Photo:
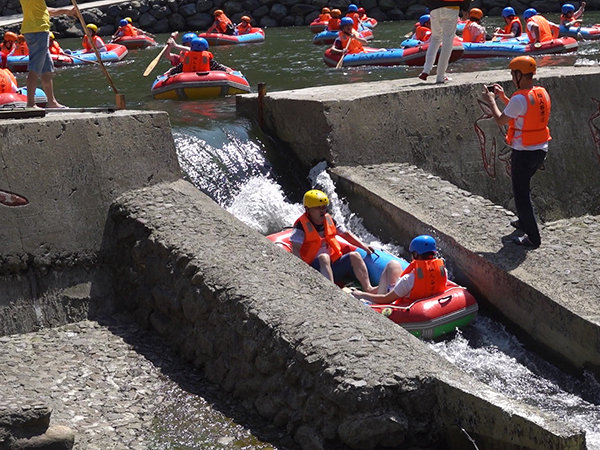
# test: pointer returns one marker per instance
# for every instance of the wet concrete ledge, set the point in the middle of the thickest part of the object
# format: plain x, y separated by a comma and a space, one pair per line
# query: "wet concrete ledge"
443, 130
291, 345
66, 169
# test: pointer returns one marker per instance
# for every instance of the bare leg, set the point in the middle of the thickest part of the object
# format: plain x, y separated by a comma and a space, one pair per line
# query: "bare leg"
389, 276
360, 271
325, 266
48, 86
32, 80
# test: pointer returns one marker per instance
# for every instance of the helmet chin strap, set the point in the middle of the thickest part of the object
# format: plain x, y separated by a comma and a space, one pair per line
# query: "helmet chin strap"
518, 78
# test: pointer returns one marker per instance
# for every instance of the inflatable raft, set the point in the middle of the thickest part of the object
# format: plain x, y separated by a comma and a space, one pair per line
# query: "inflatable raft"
509, 47
587, 33
21, 63
327, 37
199, 85
414, 56
255, 35
316, 26
426, 318
135, 42
113, 53
19, 99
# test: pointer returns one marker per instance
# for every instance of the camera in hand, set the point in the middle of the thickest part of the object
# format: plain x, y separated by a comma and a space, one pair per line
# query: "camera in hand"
490, 88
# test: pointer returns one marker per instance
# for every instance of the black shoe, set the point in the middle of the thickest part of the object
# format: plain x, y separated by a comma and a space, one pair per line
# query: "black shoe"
515, 223
525, 241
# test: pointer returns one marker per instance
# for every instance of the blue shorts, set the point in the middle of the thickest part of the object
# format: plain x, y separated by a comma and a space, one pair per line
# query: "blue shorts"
342, 268
39, 55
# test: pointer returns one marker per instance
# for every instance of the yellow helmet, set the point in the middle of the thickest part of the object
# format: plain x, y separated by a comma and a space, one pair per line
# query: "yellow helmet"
524, 64
315, 198
129, 19
51, 35
92, 27
476, 13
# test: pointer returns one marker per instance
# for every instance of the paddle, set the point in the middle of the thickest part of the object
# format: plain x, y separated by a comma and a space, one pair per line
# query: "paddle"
339, 64
154, 62
80, 59
119, 98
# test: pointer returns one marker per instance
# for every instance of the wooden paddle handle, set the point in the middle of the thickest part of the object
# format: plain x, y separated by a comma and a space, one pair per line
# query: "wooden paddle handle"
339, 64
155, 61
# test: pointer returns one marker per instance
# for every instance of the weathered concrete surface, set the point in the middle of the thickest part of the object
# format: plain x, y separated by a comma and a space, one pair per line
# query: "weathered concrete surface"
292, 346
433, 127
69, 167
549, 293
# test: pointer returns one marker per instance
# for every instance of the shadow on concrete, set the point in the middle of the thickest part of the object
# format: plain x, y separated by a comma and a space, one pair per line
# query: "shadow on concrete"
510, 256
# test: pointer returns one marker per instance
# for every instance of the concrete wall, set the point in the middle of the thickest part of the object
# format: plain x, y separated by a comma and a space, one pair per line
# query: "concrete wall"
435, 128
68, 168
292, 346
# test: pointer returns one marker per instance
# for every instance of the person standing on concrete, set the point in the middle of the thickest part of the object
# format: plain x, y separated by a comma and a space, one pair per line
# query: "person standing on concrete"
425, 276
314, 241
36, 28
527, 113
444, 14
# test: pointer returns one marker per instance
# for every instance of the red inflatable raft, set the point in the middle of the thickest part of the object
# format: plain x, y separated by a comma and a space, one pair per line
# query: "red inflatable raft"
135, 42
427, 318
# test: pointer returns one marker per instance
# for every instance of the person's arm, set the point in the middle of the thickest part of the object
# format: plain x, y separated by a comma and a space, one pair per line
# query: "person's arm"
356, 35
535, 30
296, 249
214, 65
382, 299
62, 11
579, 12
354, 240
490, 98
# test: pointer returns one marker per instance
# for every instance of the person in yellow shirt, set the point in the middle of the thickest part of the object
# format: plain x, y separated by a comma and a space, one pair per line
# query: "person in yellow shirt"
36, 29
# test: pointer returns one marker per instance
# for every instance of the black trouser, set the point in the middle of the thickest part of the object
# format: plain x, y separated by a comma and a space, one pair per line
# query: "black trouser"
524, 164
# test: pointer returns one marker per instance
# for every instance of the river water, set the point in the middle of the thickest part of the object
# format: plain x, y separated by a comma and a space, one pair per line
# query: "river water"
228, 158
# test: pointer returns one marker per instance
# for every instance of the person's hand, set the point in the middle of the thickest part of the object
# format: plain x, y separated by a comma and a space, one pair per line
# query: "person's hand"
583, 4
369, 249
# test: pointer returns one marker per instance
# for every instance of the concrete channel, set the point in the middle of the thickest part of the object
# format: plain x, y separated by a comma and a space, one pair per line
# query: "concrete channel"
94, 228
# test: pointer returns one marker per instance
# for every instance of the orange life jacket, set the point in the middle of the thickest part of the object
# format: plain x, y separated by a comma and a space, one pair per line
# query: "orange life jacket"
313, 240
21, 49
324, 17
243, 28
127, 30
8, 82
197, 61
543, 26
422, 33
333, 24
54, 48
5, 49
430, 277
473, 32
509, 25
354, 47
221, 24
355, 17
535, 129
100, 45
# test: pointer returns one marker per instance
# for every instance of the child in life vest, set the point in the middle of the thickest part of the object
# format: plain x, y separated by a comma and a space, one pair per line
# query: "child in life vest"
196, 58
325, 15
20, 48
513, 27
569, 17
425, 276
474, 31
334, 22
85, 43
222, 23
244, 27
53, 46
125, 29
423, 30
349, 40
314, 241
8, 42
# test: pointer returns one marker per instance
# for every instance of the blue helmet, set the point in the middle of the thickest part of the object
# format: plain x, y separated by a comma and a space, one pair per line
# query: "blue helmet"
567, 8
424, 19
352, 8
199, 44
529, 13
346, 21
508, 11
123, 22
188, 37
422, 244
